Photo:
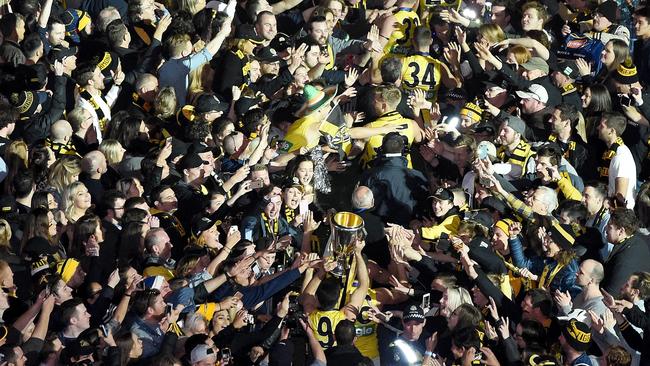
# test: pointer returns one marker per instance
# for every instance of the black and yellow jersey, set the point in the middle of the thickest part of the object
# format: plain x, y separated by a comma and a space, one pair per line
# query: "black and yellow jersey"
323, 324
421, 71
520, 156
330, 65
374, 143
366, 329
406, 20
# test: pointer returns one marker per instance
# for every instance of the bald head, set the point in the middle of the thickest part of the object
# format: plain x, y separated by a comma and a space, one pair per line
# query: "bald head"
594, 269
362, 197
94, 163
146, 82
61, 131
233, 142
106, 16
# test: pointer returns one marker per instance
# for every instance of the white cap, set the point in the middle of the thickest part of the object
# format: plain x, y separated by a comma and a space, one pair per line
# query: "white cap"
201, 352
216, 5
535, 91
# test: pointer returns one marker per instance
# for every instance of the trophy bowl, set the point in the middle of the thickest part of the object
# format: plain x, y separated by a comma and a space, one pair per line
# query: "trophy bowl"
347, 228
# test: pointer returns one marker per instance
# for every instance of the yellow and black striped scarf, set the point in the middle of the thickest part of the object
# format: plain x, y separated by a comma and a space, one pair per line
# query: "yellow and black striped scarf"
103, 121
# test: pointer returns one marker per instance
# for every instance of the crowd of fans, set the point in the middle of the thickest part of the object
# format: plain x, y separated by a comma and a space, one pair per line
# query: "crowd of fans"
172, 171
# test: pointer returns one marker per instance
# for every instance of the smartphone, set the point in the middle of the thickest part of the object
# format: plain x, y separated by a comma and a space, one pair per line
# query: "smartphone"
256, 268
625, 100
225, 354
432, 3
482, 152
426, 302
104, 329
238, 295
478, 356
274, 142
303, 207
257, 184
232, 229
168, 309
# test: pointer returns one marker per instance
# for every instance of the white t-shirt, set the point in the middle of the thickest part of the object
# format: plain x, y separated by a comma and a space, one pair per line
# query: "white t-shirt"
622, 166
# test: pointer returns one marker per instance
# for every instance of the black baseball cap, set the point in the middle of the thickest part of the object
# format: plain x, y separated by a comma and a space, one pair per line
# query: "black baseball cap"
201, 224
247, 32
267, 54
58, 53
190, 161
443, 194
210, 103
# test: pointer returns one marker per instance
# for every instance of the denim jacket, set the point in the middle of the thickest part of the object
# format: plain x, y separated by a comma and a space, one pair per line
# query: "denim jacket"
564, 280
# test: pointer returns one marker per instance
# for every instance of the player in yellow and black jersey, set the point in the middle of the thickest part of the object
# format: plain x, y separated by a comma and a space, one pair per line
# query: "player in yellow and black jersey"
421, 71
321, 298
397, 30
387, 99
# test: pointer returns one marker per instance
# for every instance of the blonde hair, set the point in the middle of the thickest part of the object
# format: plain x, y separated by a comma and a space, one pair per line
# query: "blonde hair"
5, 235
165, 104
18, 149
541, 10
456, 296
186, 265
492, 33
111, 150
521, 54
62, 171
199, 81
189, 6
68, 199
190, 327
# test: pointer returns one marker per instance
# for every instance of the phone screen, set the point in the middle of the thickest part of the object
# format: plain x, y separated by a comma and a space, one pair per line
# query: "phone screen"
303, 207
426, 302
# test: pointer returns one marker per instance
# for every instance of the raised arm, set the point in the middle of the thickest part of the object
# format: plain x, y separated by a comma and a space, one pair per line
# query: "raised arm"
216, 42
356, 300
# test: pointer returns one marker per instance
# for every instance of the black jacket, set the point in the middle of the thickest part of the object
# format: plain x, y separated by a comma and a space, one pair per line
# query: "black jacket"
638, 318
37, 127
191, 201
344, 356
397, 189
626, 258
554, 95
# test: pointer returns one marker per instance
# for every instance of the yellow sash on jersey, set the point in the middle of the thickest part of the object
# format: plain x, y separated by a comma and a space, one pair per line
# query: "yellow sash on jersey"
330, 52
546, 278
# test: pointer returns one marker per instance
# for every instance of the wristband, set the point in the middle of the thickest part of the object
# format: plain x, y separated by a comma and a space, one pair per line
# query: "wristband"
429, 354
